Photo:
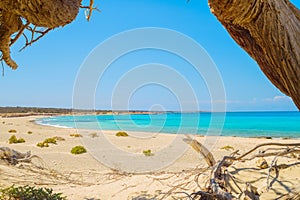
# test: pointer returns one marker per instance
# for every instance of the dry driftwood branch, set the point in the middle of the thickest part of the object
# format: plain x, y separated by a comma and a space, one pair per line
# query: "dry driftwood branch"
14, 157
218, 189
268, 144
197, 146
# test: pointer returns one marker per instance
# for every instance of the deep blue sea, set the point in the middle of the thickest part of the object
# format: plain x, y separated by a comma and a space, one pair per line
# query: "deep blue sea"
243, 124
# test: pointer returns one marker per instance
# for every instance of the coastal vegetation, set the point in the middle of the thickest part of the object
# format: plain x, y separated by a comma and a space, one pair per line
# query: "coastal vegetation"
78, 150
148, 152
42, 144
121, 134
75, 135
46, 142
50, 140
14, 140
12, 131
29, 193
227, 148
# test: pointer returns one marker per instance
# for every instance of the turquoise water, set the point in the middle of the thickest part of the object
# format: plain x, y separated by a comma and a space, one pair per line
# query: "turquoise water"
243, 124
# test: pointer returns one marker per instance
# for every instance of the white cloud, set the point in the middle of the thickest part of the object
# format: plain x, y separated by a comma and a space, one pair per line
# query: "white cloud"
277, 99
281, 98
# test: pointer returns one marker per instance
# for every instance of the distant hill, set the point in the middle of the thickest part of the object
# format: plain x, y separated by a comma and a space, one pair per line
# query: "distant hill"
27, 111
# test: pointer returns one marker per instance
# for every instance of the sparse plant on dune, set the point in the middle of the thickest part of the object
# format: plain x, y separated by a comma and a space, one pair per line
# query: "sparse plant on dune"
75, 135
14, 140
12, 131
78, 150
29, 193
46, 142
121, 134
148, 152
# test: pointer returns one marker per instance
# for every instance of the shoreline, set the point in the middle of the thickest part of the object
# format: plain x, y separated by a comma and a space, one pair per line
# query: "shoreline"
84, 177
200, 135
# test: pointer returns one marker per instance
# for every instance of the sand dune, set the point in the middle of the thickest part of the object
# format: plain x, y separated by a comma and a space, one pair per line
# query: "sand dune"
85, 176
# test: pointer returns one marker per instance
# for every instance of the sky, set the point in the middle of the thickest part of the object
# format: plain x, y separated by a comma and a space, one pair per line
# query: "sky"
48, 69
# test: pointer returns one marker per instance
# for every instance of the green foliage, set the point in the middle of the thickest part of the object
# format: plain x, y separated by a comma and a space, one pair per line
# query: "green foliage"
12, 131
148, 152
50, 140
121, 134
227, 148
42, 144
13, 140
78, 150
57, 138
46, 142
29, 132
29, 193
75, 135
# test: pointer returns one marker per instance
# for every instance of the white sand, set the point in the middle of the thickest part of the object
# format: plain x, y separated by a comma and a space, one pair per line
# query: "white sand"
83, 176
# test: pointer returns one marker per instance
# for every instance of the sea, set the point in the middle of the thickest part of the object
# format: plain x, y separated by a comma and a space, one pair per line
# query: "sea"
240, 124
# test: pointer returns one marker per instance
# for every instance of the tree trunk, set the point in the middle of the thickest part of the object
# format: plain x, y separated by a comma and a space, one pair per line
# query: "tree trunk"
269, 31
43, 13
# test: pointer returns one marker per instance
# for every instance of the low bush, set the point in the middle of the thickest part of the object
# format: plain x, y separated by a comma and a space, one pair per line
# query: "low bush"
227, 148
13, 140
57, 138
75, 135
78, 150
29, 132
148, 152
12, 131
29, 193
42, 144
50, 140
121, 134
46, 142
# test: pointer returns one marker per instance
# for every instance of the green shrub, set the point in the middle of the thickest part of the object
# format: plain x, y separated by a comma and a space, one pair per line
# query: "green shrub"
78, 150
46, 142
13, 140
57, 138
75, 135
121, 134
29, 132
42, 144
12, 131
29, 193
227, 148
50, 140
148, 152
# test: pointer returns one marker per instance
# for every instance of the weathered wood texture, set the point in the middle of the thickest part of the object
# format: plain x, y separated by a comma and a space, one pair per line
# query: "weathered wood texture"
41, 13
269, 31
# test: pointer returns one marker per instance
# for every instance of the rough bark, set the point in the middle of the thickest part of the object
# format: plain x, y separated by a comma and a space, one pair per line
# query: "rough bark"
41, 13
269, 31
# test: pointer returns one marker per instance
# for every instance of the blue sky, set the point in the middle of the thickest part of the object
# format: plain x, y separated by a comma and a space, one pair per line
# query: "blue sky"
48, 69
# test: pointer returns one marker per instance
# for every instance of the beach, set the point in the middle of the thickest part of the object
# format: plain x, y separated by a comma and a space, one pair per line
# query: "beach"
84, 177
